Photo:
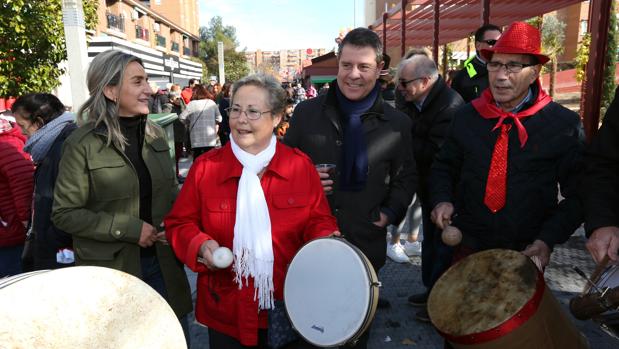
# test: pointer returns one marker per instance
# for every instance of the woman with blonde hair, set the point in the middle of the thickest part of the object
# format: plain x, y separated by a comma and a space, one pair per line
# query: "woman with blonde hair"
116, 181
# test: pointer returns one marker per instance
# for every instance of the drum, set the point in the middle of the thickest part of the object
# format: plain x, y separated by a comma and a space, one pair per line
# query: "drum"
85, 307
498, 299
600, 303
330, 292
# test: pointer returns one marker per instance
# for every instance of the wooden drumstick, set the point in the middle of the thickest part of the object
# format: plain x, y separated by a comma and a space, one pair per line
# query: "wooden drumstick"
596, 274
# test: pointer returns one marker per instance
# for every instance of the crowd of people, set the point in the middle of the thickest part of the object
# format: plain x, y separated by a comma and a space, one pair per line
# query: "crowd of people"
488, 156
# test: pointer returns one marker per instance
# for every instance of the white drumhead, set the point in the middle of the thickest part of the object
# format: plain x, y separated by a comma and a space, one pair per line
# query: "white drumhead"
327, 292
85, 307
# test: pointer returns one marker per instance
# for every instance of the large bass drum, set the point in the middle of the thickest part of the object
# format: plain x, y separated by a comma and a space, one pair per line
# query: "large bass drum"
330, 292
498, 299
85, 307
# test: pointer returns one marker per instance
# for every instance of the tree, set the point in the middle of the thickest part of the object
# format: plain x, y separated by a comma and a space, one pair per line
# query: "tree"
582, 57
32, 44
553, 36
608, 87
235, 63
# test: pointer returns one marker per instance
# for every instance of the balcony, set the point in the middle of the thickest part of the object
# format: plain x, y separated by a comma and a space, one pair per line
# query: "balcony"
175, 47
115, 22
161, 41
141, 33
186, 51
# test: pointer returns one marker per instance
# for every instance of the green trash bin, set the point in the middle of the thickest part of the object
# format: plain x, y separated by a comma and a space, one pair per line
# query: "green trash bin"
166, 121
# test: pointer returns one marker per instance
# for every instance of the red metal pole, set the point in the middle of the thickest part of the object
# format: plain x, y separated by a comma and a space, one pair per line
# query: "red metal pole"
599, 19
436, 31
385, 16
485, 12
403, 24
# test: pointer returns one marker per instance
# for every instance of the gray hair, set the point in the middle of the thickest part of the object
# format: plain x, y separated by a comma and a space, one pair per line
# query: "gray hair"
418, 51
423, 66
277, 95
106, 69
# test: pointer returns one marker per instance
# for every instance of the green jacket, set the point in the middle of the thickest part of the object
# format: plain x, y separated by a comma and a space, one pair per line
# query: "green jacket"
96, 200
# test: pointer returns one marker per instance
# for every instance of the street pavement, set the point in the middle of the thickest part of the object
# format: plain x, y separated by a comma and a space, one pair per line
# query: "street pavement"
396, 327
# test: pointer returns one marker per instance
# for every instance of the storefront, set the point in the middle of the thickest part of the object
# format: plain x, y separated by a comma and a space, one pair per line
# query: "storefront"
161, 68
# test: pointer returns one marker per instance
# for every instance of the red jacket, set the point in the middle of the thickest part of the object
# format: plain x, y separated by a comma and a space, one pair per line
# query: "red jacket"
186, 94
205, 209
16, 186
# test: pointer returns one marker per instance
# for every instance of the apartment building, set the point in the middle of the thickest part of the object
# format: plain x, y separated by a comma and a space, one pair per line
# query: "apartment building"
163, 33
287, 64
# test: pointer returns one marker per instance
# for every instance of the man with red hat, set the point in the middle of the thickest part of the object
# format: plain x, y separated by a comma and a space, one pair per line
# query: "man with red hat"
496, 178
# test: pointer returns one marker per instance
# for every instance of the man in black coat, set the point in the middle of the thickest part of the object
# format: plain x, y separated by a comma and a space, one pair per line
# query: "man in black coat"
431, 105
369, 141
472, 80
495, 178
601, 186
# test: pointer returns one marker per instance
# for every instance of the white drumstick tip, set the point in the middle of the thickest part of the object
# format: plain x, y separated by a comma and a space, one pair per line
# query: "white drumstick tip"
451, 236
222, 257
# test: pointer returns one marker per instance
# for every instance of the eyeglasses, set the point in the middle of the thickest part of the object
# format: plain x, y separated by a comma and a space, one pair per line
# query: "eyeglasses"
511, 67
252, 114
490, 42
404, 83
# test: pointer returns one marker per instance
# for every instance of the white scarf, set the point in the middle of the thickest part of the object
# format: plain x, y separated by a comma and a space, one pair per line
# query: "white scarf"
252, 244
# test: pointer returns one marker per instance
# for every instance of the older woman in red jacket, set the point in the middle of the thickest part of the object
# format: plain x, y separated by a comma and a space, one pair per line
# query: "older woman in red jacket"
258, 197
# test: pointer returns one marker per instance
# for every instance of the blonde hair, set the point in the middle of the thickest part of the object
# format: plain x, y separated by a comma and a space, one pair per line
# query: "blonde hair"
106, 69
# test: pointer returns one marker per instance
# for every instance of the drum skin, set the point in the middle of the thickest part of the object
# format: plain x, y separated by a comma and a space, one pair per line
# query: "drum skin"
498, 299
330, 292
85, 307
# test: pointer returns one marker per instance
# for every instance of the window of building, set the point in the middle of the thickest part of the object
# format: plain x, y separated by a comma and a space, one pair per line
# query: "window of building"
116, 22
583, 27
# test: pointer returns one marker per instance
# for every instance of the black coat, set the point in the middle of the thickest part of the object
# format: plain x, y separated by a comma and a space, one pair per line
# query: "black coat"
47, 238
601, 183
471, 88
316, 129
552, 155
430, 127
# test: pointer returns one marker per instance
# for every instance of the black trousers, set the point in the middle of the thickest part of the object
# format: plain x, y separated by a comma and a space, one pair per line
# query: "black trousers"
199, 151
435, 255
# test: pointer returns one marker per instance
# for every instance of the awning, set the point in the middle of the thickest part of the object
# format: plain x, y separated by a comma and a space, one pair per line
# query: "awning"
321, 79
457, 18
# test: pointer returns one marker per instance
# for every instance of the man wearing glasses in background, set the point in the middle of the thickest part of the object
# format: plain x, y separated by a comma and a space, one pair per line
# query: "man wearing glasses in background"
497, 176
472, 80
431, 105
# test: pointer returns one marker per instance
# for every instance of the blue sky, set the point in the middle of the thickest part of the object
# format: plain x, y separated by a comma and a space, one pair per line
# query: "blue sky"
285, 24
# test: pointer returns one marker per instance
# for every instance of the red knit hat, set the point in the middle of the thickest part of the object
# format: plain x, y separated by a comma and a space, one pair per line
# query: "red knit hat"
519, 38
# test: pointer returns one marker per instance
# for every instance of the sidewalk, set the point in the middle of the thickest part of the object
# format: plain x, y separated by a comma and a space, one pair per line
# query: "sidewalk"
396, 327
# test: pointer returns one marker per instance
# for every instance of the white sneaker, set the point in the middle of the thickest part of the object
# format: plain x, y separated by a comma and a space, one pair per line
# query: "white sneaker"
412, 248
396, 253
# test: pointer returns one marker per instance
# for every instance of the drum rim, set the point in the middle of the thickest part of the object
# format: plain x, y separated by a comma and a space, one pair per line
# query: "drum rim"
517, 319
374, 285
10, 280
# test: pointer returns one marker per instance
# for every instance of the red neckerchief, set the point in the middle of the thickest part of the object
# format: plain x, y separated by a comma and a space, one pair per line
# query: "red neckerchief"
487, 108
